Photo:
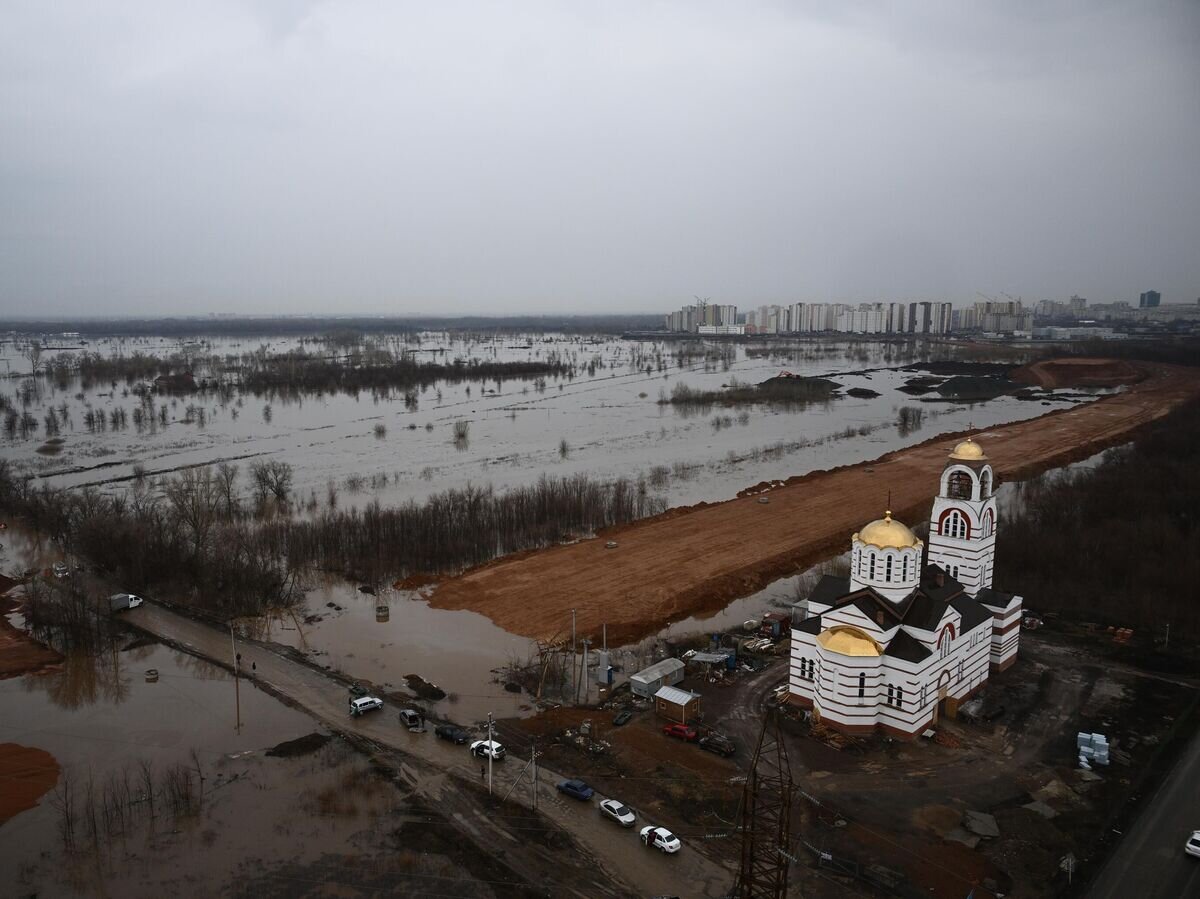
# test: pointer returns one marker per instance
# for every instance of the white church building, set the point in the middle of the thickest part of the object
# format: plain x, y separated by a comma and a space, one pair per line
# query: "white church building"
904, 639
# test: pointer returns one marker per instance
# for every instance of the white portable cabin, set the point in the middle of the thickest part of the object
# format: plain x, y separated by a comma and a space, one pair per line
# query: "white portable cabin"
666, 673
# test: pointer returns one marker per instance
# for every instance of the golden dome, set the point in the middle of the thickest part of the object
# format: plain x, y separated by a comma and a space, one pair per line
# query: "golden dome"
848, 641
968, 451
888, 534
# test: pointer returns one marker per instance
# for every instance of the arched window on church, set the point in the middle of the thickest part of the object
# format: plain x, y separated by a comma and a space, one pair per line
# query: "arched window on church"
944, 640
899, 697
959, 485
954, 525
988, 521
862, 685
887, 575
985, 484
904, 569
872, 574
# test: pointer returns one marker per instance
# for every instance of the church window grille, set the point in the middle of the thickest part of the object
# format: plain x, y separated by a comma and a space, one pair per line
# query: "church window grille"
891, 700
872, 574
862, 686
924, 694
899, 697
904, 569
959, 485
960, 669
888, 573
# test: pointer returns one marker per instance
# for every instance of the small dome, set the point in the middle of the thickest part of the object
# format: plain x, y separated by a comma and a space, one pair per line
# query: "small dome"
888, 534
968, 451
848, 641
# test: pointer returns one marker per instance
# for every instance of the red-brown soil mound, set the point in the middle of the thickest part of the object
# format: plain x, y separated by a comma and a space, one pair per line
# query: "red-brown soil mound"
1053, 373
28, 774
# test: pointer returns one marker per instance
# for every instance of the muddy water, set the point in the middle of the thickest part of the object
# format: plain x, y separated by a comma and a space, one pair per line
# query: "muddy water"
461, 652
100, 716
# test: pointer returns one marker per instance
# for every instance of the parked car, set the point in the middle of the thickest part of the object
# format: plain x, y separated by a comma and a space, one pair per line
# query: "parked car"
486, 748
357, 689
576, 789
622, 814
119, 601
661, 839
452, 732
412, 719
719, 744
682, 732
1192, 846
61, 570
622, 717
364, 704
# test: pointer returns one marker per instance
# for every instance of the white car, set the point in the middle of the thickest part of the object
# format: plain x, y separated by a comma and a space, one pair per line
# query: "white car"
623, 815
662, 839
1192, 846
364, 704
485, 748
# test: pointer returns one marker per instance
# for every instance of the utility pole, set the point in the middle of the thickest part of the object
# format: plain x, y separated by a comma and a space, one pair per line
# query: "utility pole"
574, 687
237, 693
583, 673
489, 753
605, 626
534, 785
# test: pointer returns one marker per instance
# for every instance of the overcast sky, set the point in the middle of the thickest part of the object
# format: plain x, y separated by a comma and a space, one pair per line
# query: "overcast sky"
444, 157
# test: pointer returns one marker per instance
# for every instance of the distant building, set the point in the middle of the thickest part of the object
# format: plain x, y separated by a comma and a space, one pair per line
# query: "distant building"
721, 329
1149, 300
676, 705
690, 319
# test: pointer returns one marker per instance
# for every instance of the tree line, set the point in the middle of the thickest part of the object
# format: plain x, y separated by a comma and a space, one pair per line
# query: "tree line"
195, 536
1118, 543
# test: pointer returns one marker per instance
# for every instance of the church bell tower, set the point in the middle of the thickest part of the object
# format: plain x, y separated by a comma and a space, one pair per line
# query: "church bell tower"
962, 528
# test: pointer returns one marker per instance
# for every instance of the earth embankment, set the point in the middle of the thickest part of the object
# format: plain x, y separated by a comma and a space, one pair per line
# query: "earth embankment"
695, 560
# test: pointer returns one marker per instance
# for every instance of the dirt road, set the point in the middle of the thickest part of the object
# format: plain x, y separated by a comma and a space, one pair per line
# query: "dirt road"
695, 560
621, 865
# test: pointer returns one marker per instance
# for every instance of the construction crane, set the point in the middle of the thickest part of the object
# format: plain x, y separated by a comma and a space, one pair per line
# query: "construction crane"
766, 817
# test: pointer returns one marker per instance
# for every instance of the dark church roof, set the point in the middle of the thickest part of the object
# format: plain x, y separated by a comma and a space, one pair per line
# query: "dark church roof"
903, 646
924, 608
810, 625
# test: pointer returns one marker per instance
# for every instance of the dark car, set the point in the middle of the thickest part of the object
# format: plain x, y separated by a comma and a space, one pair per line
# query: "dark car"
681, 732
576, 788
622, 717
719, 744
452, 733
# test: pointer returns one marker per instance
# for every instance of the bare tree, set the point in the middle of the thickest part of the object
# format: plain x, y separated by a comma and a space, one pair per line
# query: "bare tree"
195, 497
227, 474
272, 479
33, 353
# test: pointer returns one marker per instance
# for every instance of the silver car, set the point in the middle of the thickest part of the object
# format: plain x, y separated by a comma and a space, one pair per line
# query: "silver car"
623, 815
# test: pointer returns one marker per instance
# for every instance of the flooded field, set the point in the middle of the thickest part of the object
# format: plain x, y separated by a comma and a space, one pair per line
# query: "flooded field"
100, 718
604, 417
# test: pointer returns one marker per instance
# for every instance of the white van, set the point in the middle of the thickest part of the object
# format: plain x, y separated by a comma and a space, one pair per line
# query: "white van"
364, 704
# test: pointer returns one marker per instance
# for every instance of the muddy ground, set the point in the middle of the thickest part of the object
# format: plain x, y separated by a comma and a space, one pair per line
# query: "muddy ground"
641, 576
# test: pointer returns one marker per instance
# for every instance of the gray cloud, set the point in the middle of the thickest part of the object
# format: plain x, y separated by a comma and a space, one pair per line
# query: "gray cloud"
480, 157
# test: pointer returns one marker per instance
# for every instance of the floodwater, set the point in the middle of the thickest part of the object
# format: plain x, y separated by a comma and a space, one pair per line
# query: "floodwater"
383, 638
100, 716
608, 414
